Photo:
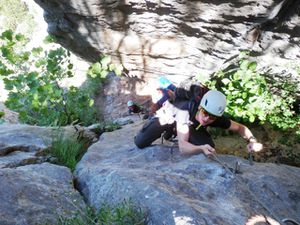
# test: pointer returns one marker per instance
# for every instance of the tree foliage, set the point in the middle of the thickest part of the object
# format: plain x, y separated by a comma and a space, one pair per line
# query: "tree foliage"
32, 78
252, 97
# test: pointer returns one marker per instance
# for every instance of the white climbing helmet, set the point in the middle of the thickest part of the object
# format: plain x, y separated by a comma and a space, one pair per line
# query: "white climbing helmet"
214, 102
130, 103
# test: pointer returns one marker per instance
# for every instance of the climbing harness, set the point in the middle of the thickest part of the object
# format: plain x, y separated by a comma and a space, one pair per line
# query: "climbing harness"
226, 167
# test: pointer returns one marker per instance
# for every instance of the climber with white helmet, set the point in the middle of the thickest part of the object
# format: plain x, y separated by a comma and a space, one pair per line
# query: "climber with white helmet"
190, 118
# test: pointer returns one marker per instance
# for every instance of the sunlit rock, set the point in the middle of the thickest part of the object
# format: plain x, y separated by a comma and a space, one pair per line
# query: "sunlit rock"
176, 189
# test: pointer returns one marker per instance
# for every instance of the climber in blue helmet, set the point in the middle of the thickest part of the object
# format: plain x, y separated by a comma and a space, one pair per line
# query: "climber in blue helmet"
164, 92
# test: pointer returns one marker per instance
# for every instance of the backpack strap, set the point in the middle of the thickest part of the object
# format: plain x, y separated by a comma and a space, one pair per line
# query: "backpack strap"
194, 92
197, 91
190, 99
193, 108
190, 105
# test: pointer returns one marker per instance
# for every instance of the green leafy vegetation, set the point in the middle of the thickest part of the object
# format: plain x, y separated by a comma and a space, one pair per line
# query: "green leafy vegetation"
33, 80
252, 97
67, 151
125, 213
33, 76
101, 68
97, 73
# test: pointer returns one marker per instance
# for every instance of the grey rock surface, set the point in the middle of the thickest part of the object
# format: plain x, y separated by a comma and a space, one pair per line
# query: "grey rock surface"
173, 36
20, 135
19, 158
24, 144
37, 194
33, 191
176, 189
9, 115
180, 39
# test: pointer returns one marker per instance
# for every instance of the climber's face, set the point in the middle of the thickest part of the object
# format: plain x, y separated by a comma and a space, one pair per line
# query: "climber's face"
204, 118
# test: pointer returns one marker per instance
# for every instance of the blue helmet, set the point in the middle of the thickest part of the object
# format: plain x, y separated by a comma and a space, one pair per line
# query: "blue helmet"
164, 82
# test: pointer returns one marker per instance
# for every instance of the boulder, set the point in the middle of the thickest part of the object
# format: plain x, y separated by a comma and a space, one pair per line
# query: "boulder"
22, 144
37, 194
176, 189
20, 158
33, 191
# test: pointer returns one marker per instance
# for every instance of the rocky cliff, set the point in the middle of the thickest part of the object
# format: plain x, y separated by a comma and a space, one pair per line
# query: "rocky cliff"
171, 188
177, 38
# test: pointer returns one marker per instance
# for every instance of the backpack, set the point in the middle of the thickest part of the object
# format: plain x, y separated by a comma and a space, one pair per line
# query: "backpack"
188, 96
190, 91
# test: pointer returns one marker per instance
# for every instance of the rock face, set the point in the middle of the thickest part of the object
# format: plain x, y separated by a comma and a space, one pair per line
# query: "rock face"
171, 36
37, 194
173, 189
176, 38
23, 144
185, 190
9, 116
32, 190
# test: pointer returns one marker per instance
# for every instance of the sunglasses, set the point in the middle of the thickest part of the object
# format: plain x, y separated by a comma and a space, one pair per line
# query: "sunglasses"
207, 114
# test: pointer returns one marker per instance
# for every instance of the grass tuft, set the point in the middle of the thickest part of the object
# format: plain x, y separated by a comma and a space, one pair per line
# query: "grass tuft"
67, 150
125, 213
